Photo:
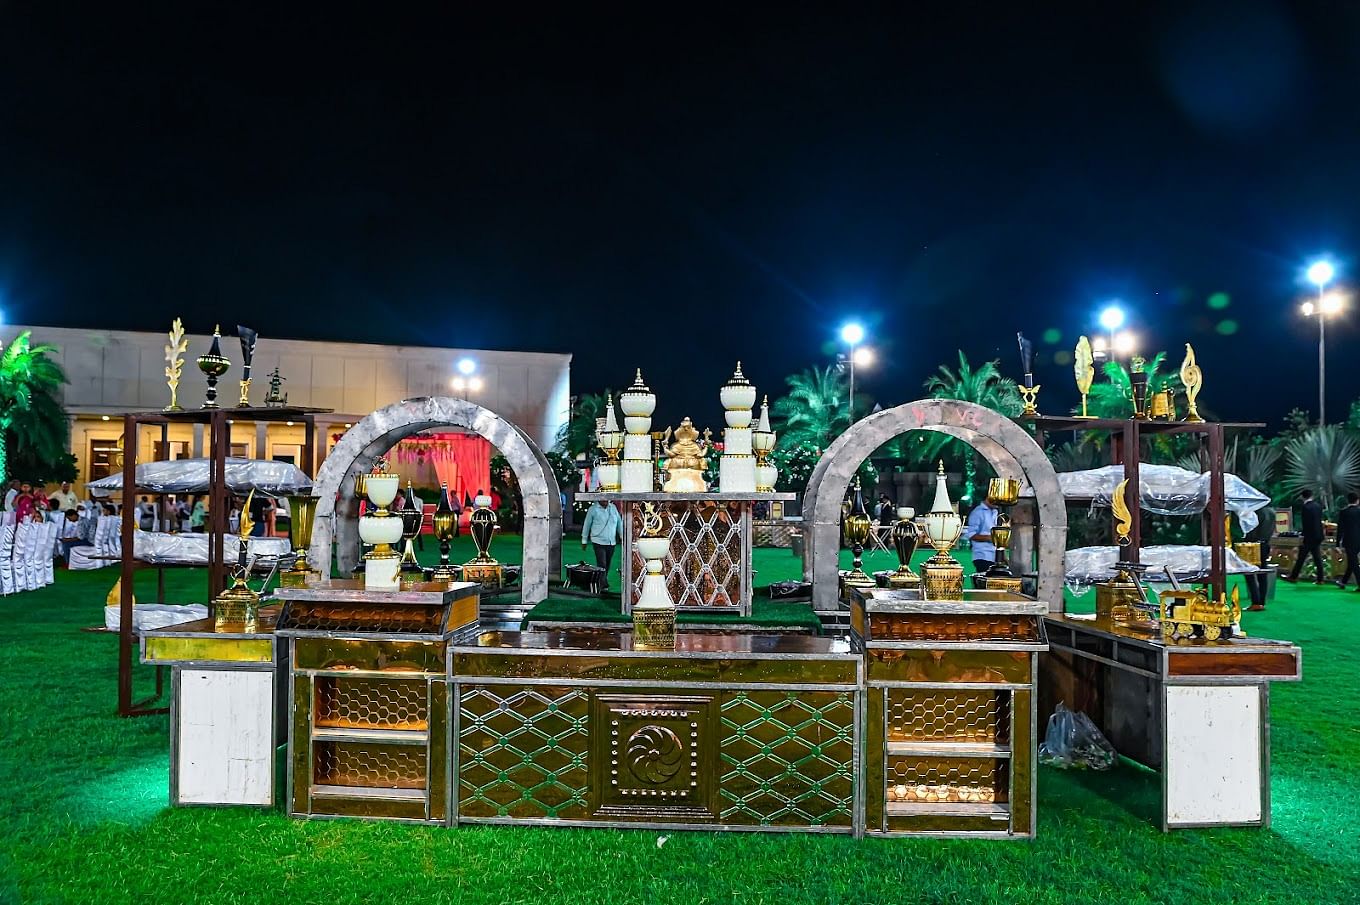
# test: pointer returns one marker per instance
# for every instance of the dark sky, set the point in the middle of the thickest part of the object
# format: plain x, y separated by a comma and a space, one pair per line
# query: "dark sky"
679, 192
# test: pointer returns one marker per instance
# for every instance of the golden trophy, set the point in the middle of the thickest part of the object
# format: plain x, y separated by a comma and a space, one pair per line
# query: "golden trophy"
445, 526
610, 440
237, 609
1083, 365
686, 460
482, 524
858, 526
1003, 494
213, 364
905, 537
944, 575
301, 515
1193, 379
381, 529
174, 364
1028, 391
1138, 386
763, 440
1162, 406
275, 399
248, 338
412, 515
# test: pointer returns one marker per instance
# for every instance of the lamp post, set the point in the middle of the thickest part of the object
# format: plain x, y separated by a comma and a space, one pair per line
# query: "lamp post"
1320, 273
852, 334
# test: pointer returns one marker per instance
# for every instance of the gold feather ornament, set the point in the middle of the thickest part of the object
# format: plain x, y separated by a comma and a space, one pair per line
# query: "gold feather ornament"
1084, 368
1123, 519
177, 346
1193, 378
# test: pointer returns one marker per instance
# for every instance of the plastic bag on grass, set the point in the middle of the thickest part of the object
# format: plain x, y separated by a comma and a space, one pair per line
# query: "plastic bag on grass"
1072, 742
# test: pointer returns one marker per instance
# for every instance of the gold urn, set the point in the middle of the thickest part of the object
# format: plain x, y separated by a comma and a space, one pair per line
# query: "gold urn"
237, 609
301, 515
943, 573
858, 526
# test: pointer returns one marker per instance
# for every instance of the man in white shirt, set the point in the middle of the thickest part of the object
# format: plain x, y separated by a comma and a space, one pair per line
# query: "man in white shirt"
63, 499
603, 529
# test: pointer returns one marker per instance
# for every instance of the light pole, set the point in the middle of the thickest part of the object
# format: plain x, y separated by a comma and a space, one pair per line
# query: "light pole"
1320, 273
852, 334
466, 380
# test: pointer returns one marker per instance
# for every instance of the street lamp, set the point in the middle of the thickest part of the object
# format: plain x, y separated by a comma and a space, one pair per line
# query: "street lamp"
466, 380
852, 334
1328, 304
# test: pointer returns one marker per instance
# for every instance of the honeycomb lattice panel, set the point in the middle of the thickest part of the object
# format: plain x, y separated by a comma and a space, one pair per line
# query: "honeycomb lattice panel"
948, 779
950, 627
523, 752
393, 618
359, 703
703, 567
370, 766
788, 758
937, 715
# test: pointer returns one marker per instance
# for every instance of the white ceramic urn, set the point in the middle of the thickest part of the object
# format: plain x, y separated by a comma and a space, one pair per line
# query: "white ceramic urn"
654, 595
943, 525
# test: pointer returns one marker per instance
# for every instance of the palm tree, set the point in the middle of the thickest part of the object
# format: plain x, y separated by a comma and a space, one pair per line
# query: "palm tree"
983, 386
815, 411
1325, 460
33, 425
577, 436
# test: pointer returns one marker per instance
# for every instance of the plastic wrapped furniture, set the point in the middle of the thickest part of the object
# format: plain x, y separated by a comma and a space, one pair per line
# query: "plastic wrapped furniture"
191, 476
147, 616
160, 549
7, 585
1086, 565
1165, 490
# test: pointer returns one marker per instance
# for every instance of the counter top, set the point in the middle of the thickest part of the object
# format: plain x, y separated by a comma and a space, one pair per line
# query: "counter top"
349, 590
687, 644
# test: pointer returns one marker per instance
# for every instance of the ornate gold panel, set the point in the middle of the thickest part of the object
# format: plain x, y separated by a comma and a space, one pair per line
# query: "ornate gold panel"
938, 715
654, 757
366, 703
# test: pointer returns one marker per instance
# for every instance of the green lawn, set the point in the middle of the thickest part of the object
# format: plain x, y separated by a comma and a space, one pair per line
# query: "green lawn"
84, 816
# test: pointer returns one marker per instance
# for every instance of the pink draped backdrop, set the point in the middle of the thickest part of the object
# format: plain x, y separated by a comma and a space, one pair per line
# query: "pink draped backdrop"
462, 461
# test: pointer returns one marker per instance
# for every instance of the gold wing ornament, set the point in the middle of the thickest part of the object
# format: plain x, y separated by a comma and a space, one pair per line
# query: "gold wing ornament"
1123, 519
176, 347
1193, 378
246, 523
1084, 367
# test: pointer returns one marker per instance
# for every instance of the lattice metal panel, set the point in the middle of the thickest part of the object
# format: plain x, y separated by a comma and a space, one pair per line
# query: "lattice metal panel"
370, 766
371, 703
522, 752
937, 715
931, 627
948, 779
408, 619
703, 568
787, 759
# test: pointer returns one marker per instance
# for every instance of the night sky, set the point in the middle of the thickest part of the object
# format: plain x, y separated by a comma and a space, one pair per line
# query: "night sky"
681, 192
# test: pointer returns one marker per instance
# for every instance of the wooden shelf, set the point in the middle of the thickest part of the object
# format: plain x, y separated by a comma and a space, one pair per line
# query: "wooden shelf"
948, 749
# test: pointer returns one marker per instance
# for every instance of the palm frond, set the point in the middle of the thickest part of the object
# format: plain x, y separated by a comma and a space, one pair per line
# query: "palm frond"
1325, 460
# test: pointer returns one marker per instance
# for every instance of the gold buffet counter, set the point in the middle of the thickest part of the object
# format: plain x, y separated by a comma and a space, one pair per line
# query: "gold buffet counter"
1194, 710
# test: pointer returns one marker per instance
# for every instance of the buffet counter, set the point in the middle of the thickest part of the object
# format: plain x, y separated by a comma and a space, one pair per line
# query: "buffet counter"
1196, 711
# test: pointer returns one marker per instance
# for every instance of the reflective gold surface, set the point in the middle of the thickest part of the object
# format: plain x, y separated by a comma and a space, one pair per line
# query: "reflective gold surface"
227, 650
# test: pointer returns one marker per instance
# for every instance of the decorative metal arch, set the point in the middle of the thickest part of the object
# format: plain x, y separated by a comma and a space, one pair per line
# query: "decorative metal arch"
1007, 447
372, 437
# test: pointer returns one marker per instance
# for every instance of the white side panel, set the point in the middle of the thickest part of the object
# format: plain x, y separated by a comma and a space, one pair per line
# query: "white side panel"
1213, 763
226, 738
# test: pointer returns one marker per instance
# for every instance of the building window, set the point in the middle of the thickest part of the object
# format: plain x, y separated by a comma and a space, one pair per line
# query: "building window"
178, 449
103, 453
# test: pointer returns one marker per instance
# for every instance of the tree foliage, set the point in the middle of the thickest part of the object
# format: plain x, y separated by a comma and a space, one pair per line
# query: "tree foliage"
577, 436
1325, 460
814, 411
984, 386
34, 431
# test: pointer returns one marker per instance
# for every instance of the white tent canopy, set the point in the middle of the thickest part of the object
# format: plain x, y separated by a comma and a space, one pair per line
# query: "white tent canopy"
1165, 490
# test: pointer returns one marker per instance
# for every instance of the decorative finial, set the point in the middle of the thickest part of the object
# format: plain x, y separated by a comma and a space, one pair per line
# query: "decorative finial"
942, 466
738, 378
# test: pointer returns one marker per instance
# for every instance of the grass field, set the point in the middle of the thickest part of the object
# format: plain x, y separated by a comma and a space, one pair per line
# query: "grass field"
85, 820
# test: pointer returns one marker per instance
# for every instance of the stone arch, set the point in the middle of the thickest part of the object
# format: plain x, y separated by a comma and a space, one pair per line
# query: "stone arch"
383, 429
1007, 447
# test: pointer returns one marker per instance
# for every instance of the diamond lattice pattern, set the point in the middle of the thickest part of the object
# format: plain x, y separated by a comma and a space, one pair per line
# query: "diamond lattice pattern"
522, 752
787, 759
703, 568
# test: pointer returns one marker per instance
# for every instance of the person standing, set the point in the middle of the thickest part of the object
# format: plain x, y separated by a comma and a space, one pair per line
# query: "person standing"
63, 500
1258, 582
198, 516
887, 513
1348, 538
981, 521
1310, 539
603, 528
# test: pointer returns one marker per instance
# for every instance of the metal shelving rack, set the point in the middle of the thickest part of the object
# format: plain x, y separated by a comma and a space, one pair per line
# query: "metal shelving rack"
1126, 449
219, 445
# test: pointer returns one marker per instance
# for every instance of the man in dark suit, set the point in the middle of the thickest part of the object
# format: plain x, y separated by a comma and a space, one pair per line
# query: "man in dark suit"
1348, 537
1310, 543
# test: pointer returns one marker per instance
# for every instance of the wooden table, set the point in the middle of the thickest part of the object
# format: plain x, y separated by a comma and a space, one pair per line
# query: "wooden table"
1197, 712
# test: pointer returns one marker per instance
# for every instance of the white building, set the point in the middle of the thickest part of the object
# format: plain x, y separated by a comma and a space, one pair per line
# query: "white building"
114, 371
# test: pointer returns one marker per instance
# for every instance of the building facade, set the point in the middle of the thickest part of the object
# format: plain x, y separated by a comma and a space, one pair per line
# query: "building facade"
114, 371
